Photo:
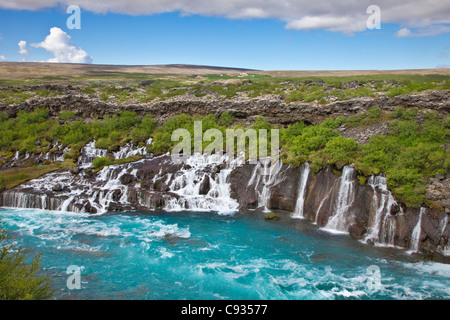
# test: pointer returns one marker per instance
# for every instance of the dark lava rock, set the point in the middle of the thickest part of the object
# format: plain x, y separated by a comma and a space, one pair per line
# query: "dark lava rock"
205, 186
57, 187
356, 231
395, 209
74, 170
126, 179
146, 83
89, 208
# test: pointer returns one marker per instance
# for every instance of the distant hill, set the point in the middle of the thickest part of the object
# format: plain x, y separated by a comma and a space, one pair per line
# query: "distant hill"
30, 70
23, 70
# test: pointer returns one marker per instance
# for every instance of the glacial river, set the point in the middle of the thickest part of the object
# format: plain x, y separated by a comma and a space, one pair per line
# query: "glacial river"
189, 255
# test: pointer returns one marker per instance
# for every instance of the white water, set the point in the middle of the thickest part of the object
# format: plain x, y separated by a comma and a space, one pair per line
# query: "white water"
129, 150
381, 206
415, 236
346, 197
88, 153
187, 182
299, 206
265, 176
445, 248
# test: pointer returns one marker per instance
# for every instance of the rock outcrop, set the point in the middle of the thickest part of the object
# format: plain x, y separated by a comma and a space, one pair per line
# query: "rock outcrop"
273, 108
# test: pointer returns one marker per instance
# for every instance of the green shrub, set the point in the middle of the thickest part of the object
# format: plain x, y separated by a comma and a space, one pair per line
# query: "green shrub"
101, 162
226, 119
19, 280
271, 216
67, 115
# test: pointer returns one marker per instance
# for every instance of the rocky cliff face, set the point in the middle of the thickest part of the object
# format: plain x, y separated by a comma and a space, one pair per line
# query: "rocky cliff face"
367, 212
205, 183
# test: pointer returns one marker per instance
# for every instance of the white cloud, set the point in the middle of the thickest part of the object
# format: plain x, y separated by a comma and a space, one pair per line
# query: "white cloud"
59, 44
425, 31
23, 48
442, 66
342, 16
403, 33
340, 24
3, 58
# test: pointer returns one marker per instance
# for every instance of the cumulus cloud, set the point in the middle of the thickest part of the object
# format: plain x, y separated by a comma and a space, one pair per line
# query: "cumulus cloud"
3, 58
342, 16
23, 48
403, 33
59, 44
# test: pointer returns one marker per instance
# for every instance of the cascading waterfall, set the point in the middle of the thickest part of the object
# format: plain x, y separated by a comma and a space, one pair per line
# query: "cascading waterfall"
129, 150
99, 192
299, 206
415, 236
56, 155
346, 197
88, 153
382, 205
187, 183
446, 247
268, 175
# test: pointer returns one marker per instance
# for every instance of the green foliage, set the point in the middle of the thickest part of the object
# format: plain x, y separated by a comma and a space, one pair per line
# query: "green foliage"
101, 162
67, 115
411, 152
341, 151
89, 90
226, 119
271, 216
303, 141
19, 280
362, 180
373, 116
34, 131
405, 114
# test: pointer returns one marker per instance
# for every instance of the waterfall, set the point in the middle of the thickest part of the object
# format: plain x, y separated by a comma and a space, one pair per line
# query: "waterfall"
382, 205
446, 247
415, 236
270, 177
129, 150
88, 153
187, 185
388, 229
24, 199
346, 197
99, 192
299, 206
265, 175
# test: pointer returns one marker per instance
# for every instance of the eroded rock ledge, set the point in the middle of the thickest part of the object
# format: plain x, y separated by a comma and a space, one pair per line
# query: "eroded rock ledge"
274, 109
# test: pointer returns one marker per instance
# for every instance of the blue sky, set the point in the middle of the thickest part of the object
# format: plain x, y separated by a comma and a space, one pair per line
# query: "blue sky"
249, 42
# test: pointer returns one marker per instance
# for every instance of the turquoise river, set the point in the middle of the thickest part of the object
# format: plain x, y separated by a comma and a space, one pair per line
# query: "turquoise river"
189, 255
